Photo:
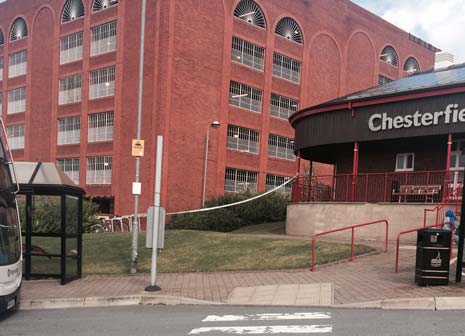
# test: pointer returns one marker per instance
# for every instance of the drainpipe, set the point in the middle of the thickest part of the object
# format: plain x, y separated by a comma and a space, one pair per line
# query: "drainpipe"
449, 150
355, 170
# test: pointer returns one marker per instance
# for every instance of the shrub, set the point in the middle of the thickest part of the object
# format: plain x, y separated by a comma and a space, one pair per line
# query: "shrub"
270, 208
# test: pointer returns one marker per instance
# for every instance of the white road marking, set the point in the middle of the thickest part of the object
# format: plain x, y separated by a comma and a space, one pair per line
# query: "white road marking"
266, 317
293, 329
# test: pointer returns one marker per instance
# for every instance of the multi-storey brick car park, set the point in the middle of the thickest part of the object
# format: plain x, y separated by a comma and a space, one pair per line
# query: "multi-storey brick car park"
69, 74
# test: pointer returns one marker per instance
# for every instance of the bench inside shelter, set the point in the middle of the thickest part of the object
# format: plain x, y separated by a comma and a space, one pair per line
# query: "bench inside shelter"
417, 192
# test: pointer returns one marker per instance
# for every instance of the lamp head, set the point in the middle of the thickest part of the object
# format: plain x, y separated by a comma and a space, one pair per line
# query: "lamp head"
215, 124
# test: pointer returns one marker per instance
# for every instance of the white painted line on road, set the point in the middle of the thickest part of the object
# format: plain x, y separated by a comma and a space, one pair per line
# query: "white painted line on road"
292, 329
267, 317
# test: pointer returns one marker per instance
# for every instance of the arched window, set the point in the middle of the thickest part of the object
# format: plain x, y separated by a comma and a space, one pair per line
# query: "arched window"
102, 4
289, 29
2, 39
411, 65
18, 29
249, 11
72, 10
389, 55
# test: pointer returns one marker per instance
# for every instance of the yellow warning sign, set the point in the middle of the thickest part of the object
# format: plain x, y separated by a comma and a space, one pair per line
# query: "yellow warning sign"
137, 147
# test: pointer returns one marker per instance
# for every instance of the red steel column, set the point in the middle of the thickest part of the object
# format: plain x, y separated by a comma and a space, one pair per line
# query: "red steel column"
355, 170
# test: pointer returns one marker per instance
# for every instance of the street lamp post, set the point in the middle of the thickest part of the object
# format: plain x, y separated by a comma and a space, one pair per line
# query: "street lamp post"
214, 124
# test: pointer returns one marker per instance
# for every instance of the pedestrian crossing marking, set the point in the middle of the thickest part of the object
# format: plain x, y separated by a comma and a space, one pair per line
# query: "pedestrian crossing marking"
266, 317
290, 329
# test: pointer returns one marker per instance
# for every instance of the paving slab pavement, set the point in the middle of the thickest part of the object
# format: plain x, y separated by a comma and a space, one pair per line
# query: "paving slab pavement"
368, 280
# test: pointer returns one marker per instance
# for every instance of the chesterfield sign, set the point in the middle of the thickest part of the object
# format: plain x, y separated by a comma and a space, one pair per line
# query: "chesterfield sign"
452, 114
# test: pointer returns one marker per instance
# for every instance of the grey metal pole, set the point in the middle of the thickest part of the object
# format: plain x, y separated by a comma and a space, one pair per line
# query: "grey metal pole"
205, 167
156, 217
135, 223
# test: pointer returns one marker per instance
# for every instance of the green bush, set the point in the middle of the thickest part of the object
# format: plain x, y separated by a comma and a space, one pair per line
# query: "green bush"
270, 208
46, 216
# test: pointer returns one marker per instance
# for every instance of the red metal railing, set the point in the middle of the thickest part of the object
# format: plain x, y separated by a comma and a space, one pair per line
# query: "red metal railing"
452, 201
352, 227
427, 186
414, 230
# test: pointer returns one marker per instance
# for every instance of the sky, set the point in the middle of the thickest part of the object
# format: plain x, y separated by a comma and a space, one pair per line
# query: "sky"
439, 22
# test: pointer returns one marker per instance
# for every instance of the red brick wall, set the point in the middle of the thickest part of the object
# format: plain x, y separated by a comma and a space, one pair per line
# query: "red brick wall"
187, 73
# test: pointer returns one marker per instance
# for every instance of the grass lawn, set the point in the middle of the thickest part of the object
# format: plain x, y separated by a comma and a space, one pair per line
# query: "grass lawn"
201, 251
261, 229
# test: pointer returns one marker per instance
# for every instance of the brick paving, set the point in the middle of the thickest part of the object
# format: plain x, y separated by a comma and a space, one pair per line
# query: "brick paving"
367, 278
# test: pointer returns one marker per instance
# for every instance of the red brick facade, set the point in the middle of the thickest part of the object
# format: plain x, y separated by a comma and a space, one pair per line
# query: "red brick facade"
187, 76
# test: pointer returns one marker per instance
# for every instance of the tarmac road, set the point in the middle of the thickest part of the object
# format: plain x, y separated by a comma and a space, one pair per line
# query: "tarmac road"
230, 320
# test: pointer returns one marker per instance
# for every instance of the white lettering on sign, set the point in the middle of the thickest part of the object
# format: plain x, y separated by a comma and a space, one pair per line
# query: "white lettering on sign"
452, 114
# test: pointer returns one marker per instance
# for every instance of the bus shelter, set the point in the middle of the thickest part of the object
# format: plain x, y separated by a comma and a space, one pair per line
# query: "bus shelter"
50, 207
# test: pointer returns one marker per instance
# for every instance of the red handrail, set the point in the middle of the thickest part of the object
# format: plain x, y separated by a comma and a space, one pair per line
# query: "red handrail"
413, 230
352, 240
445, 202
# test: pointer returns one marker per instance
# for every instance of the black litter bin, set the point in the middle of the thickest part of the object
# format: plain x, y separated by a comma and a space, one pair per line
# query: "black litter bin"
433, 255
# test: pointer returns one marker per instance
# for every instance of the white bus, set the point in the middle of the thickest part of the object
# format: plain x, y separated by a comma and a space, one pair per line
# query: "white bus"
10, 232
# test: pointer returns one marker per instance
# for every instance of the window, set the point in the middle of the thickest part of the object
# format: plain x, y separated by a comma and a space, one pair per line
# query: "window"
71, 48
411, 65
250, 12
286, 68
289, 29
99, 170
389, 55
16, 100
236, 180
383, 80
280, 147
103, 39
247, 53
1, 68
243, 139
100, 127
2, 39
69, 130
283, 107
405, 161
18, 30
15, 135
1, 102
103, 4
70, 90
17, 64
102, 83
245, 97
72, 10
273, 181
70, 167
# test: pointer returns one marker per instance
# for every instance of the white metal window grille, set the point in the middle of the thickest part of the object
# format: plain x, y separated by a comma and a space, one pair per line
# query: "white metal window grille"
1, 68
16, 100
246, 53
102, 83
15, 135
243, 139
283, 107
101, 126
405, 161
245, 96
99, 170
71, 48
236, 180
250, 12
103, 38
69, 130
286, 68
280, 147
17, 64
103, 4
70, 167
389, 55
411, 65
383, 80
289, 29
70, 90
272, 181
72, 10
18, 30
